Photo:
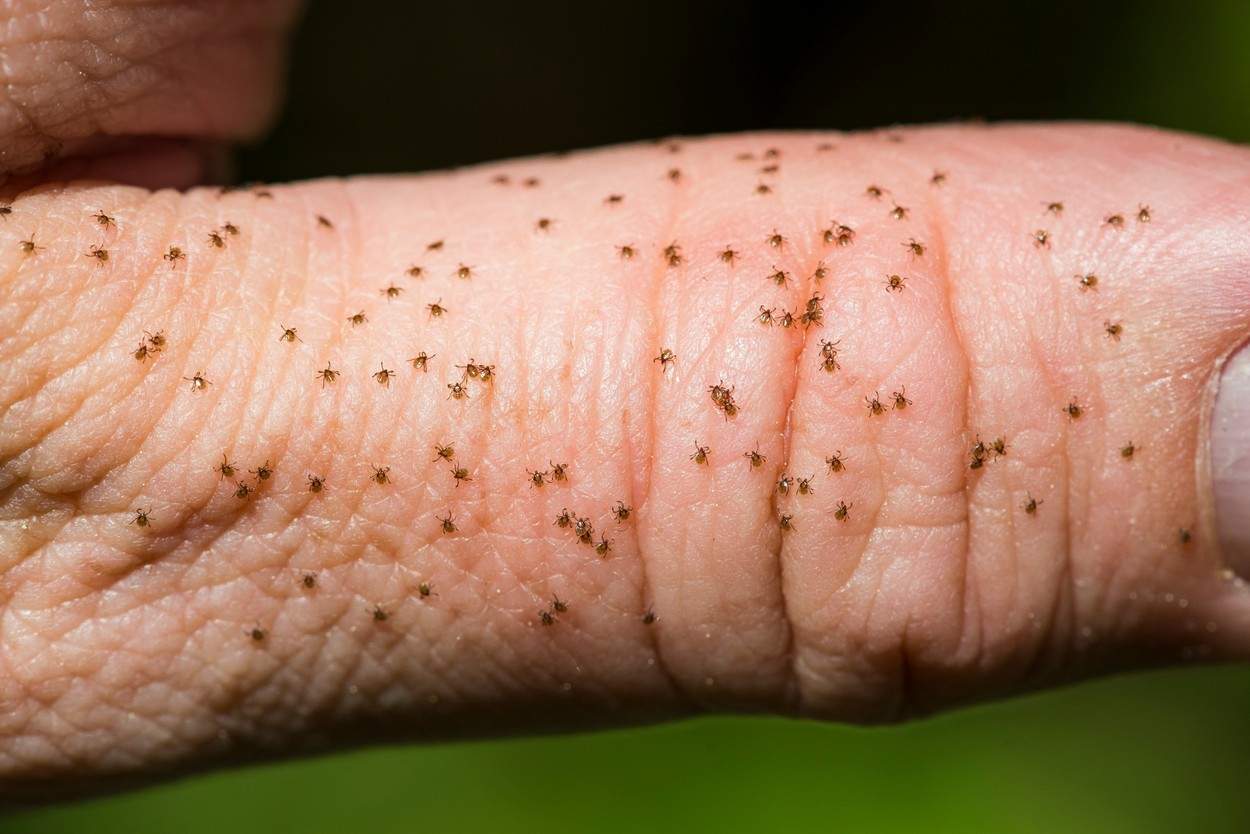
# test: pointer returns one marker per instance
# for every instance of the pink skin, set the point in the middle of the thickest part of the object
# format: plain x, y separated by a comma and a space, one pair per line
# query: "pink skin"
130, 652
128, 649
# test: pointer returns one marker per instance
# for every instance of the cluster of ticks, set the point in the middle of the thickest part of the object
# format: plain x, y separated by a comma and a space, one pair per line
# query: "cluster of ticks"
721, 394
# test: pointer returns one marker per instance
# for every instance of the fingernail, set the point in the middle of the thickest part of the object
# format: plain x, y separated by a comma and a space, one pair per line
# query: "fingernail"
1230, 461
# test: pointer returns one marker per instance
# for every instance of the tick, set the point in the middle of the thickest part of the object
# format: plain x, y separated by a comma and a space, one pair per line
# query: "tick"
316, 483
174, 255
584, 529
915, 247
327, 375
384, 376
875, 406
289, 334
444, 452
357, 318
1031, 504
464, 272
436, 309
226, 468
700, 454
836, 462
1113, 329
843, 511
1088, 281
1128, 450
1041, 239
895, 283
755, 457
626, 252
421, 362
141, 518
666, 358
672, 254
900, 399
100, 254
381, 475
460, 474
1073, 410
559, 471
447, 522
621, 511
899, 212
198, 382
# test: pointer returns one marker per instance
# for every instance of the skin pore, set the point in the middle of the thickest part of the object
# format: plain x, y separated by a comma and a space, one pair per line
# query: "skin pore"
856, 427
286, 467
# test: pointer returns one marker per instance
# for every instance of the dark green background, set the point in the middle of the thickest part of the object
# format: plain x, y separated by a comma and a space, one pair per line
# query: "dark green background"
401, 86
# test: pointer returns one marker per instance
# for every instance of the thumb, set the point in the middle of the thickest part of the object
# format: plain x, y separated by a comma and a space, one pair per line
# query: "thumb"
140, 93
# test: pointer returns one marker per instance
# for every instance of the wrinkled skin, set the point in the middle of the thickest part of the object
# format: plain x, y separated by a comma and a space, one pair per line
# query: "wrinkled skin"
131, 651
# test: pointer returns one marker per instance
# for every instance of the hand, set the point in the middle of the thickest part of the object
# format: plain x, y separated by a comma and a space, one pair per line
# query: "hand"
233, 531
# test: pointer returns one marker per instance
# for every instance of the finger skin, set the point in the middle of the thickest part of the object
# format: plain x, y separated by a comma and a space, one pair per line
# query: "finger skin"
137, 91
140, 649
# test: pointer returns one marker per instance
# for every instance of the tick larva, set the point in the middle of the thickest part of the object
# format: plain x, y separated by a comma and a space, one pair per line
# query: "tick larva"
327, 375
198, 382
700, 454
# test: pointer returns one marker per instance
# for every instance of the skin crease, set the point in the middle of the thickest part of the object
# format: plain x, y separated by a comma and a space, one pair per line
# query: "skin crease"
133, 652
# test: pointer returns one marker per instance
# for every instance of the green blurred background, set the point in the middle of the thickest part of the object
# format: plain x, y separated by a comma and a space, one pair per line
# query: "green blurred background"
378, 86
